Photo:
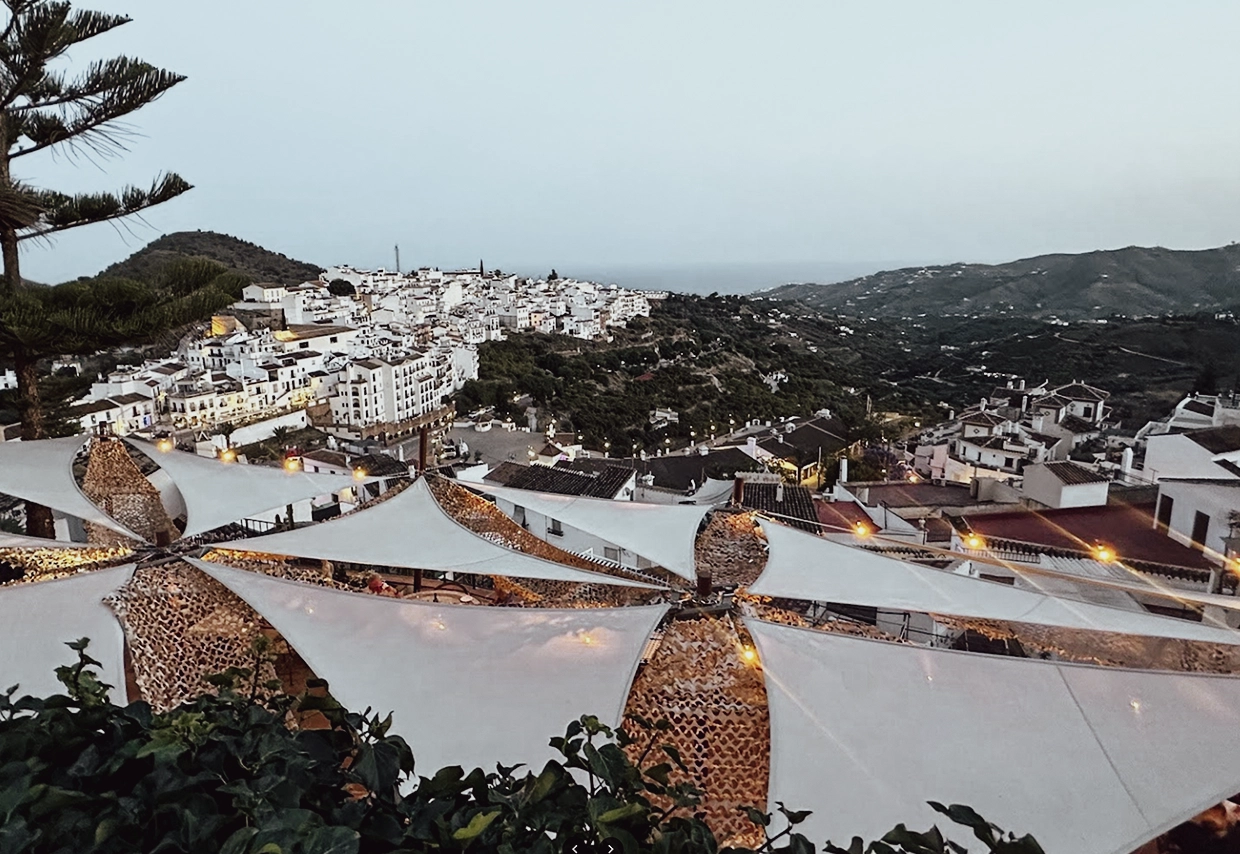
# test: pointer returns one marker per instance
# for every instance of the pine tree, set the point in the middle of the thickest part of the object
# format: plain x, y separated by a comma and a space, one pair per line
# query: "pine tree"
43, 108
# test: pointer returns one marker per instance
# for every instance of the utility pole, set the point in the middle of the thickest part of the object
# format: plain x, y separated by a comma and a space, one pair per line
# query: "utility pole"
398, 259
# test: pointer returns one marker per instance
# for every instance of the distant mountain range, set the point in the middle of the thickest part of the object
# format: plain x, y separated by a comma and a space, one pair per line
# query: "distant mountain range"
261, 265
1133, 282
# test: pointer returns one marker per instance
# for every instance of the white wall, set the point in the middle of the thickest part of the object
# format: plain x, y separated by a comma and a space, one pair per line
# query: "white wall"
261, 430
1216, 501
1176, 455
573, 539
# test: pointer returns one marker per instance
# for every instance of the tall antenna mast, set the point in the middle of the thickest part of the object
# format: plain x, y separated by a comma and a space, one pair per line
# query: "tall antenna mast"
398, 259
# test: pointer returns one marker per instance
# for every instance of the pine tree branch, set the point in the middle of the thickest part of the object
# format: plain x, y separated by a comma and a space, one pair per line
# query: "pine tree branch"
62, 212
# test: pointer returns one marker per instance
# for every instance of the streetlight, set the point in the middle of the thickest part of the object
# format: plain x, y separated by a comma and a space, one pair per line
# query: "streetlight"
606, 448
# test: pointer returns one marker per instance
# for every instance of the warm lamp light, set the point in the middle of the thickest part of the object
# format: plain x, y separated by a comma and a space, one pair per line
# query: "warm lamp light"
228, 455
973, 541
749, 654
359, 473
292, 464
861, 529
164, 445
1104, 554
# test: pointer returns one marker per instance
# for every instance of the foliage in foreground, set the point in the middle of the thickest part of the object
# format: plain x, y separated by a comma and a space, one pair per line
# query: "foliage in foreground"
225, 773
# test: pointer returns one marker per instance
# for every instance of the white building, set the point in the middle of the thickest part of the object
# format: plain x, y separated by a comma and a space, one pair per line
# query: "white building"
1064, 484
1210, 453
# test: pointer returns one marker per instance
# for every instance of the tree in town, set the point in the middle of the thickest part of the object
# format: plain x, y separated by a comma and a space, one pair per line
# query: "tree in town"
44, 108
341, 288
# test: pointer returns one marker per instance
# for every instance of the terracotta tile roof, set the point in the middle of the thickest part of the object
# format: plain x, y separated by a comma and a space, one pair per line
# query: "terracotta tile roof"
1127, 528
797, 508
1050, 401
1074, 474
1081, 391
681, 472
380, 465
1076, 425
1217, 440
984, 419
841, 516
606, 483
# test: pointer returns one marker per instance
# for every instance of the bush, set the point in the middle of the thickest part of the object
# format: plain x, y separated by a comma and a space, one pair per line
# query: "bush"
225, 773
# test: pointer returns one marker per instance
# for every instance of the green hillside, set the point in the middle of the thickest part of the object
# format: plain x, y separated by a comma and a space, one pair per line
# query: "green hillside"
241, 256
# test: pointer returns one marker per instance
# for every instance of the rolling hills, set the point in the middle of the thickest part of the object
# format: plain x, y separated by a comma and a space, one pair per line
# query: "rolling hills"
1132, 282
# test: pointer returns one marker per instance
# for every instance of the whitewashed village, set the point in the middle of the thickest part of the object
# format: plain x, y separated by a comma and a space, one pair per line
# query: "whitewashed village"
365, 353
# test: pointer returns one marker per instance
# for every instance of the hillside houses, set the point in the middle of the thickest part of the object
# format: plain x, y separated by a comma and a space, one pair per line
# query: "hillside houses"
1014, 426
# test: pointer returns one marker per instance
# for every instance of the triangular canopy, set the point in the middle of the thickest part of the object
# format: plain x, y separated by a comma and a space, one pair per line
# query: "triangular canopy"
38, 618
805, 566
662, 533
1090, 760
42, 471
468, 685
411, 530
217, 492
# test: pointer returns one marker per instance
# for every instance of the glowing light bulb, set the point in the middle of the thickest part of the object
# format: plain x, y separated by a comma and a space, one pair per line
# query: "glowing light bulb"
861, 529
292, 464
973, 541
164, 445
359, 474
587, 640
228, 455
1104, 554
749, 654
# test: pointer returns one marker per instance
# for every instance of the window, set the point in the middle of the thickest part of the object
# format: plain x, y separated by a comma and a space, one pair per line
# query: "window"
611, 553
1201, 527
1009, 462
553, 527
518, 515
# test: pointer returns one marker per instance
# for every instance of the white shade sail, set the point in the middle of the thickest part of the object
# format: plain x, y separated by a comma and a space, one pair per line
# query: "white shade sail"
42, 472
217, 492
662, 533
1090, 760
468, 685
411, 530
38, 618
805, 566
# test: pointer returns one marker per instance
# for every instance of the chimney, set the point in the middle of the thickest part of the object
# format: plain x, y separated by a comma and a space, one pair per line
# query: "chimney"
843, 469
1125, 464
779, 492
738, 491
1022, 385
752, 444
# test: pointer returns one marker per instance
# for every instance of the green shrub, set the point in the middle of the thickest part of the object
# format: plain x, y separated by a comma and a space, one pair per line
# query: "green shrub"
225, 773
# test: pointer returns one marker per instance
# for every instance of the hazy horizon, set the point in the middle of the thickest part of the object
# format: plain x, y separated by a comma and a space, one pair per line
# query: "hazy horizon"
648, 137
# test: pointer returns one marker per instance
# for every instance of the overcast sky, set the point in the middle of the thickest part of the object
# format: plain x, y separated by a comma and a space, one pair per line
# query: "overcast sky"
594, 135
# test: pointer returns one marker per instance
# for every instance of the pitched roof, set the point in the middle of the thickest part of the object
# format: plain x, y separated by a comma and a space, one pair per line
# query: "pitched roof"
380, 465
605, 483
1076, 425
1050, 401
1217, 440
1127, 528
682, 472
1081, 391
796, 509
984, 419
1073, 474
